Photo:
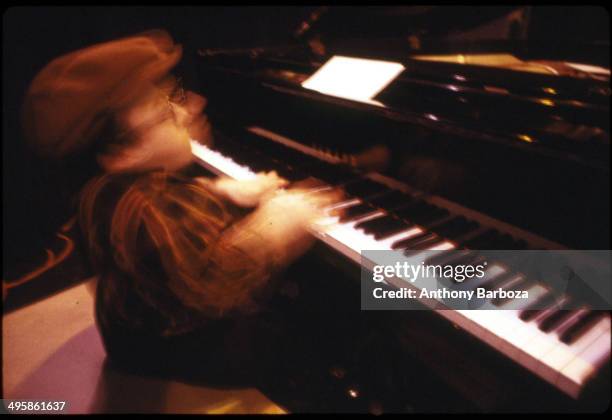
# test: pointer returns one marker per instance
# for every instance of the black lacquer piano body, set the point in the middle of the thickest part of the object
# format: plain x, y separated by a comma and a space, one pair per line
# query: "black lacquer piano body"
476, 144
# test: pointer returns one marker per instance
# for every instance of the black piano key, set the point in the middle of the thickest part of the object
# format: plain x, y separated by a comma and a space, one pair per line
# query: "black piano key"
536, 308
403, 243
431, 218
364, 188
520, 284
391, 230
413, 208
492, 239
444, 258
394, 199
455, 227
456, 257
554, 319
498, 281
333, 174
420, 241
290, 174
262, 143
297, 159
581, 326
422, 213
424, 244
575, 318
481, 241
355, 212
383, 227
313, 167
260, 164
278, 151
230, 149
448, 258
461, 240
374, 225
264, 164
453, 257
252, 162
245, 156
474, 260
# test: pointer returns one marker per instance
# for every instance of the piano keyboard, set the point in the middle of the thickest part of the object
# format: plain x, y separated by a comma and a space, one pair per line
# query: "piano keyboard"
565, 348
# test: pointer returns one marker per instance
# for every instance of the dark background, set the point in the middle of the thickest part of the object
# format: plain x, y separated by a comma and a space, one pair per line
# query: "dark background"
32, 36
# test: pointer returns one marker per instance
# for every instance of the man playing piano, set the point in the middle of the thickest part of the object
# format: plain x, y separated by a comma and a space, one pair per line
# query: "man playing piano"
184, 271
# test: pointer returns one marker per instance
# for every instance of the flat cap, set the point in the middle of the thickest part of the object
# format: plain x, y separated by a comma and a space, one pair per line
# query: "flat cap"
69, 100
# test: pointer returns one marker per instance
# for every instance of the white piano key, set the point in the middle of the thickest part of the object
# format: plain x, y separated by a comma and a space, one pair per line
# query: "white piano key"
387, 243
536, 347
481, 323
351, 241
515, 333
356, 239
574, 376
343, 204
562, 354
501, 328
492, 271
577, 314
590, 354
219, 163
534, 292
441, 246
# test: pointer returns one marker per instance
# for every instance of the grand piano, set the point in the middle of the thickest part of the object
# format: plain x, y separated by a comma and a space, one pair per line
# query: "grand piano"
475, 144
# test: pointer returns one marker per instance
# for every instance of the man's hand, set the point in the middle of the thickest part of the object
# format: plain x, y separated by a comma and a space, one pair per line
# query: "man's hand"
286, 216
251, 192
279, 227
298, 206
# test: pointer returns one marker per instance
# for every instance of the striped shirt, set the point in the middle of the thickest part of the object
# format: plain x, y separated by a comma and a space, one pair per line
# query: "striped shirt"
156, 241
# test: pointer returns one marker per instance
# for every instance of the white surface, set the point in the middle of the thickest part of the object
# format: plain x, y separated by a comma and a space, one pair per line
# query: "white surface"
358, 79
52, 350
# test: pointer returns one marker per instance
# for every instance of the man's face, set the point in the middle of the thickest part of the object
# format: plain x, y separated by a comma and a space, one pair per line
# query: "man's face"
158, 129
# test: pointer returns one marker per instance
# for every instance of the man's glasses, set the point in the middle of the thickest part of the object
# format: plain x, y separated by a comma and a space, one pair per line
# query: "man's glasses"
177, 94
172, 97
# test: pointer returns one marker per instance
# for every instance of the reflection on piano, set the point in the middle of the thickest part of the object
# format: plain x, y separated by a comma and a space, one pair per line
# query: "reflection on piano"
486, 152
